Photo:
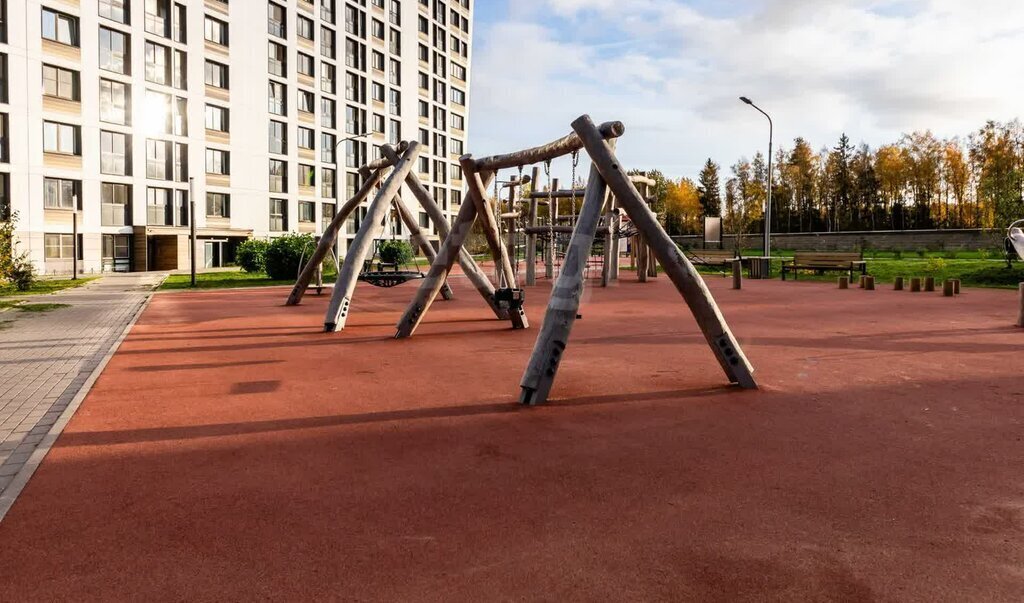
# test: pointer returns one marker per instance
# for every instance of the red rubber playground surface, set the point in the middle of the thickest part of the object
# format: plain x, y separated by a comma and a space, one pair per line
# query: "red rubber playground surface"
231, 451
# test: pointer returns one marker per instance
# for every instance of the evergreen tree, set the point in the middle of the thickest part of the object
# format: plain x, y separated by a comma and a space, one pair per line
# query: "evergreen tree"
709, 190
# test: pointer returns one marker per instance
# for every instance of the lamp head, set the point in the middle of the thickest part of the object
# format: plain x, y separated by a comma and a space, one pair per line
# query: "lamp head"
746, 100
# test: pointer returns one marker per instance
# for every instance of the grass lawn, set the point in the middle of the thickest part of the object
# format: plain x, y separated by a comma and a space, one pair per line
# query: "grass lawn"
43, 286
227, 280
22, 306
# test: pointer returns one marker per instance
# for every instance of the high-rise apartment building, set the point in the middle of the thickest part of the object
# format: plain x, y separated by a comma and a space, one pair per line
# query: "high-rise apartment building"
109, 108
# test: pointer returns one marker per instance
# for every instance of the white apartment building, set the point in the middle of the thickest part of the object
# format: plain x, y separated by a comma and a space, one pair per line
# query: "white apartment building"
112, 111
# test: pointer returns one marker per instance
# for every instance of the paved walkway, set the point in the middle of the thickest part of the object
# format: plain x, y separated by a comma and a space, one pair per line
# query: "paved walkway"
46, 358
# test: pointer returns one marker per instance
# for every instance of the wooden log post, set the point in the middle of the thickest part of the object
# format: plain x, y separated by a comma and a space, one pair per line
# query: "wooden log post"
549, 258
370, 229
616, 243
469, 266
929, 284
641, 258
915, 285
478, 195
863, 279
419, 240
947, 288
737, 274
531, 239
869, 283
446, 257
1020, 305
844, 282
329, 237
956, 286
684, 276
564, 302
897, 284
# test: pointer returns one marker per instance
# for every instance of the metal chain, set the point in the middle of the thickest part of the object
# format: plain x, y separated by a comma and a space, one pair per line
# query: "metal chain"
575, 162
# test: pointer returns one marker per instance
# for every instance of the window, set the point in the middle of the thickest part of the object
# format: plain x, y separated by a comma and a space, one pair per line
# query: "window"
276, 98
327, 213
304, 27
306, 64
279, 215
278, 138
59, 193
61, 138
328, 79
158, 159
278, 176
458, 122
458, 97
327, 190
115, 203
60, 83
159, 208
216, 75
394, 102
216, 31
59, 27
218, 205
115, 10
327, 113
327, 143
114, 102
158, 64
377, 124
307, 138
277, 63
60, 246
179, 24
276, 20
327, 43
114, 51
217, 118
115, 149
307, 175
307, 101
307, 211
218, 162
158, 19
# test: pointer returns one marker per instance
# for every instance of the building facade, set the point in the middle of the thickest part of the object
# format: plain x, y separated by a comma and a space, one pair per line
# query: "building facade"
114, 112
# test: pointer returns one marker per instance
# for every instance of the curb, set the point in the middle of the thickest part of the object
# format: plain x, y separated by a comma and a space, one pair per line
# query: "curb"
15, 488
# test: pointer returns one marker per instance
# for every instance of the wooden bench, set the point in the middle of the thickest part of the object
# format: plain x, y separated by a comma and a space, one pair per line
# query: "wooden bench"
820, 262
711, 257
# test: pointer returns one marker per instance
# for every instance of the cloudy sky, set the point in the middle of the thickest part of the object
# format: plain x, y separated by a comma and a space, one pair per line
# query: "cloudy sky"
673, 70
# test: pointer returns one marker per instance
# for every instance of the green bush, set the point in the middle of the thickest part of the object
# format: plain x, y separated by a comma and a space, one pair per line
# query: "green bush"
251, 255
285, 254
15, 268
934, 265
395, 252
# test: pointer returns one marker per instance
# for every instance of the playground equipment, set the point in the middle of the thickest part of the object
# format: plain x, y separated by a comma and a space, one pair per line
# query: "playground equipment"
1015, 241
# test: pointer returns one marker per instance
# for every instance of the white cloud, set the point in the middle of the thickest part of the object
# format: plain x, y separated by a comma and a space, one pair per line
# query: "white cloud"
672, 71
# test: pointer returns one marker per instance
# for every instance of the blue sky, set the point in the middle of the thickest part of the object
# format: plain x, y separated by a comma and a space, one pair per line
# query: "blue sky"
672, 71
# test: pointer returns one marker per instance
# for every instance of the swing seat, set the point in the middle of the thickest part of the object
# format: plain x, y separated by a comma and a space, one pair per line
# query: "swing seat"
509, 299
388, 279
1015, 238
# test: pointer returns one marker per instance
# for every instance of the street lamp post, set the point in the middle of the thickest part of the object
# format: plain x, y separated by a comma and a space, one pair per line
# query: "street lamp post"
768, 204
338, 181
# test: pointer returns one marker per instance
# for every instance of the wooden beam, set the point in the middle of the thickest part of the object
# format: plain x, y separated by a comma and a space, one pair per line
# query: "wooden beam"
563, 146
370, 229
564, 302
419, 240
687, 280
469, 266
485, 213
531, 238
446, 256
330, 236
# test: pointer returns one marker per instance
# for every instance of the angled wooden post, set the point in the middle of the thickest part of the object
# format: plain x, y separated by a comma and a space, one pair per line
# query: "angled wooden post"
531, 239
439, 270
484, 211
679, 269
330, 236
549, 257
419, 240
616, 247
564, 302
469, 266
370, 229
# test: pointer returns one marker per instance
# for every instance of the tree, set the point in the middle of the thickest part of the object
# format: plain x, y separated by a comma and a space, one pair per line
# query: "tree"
709, 191
15, 267
995, 151
682, 208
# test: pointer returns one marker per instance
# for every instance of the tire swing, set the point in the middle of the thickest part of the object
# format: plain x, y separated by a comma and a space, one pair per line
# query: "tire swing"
388, 275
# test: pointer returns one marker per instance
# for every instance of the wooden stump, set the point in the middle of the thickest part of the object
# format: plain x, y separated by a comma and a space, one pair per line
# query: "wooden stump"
863, 277
844, 282
915, 285
956, 286
929, 284
947, 288
869, 283
737, 274
897, 285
